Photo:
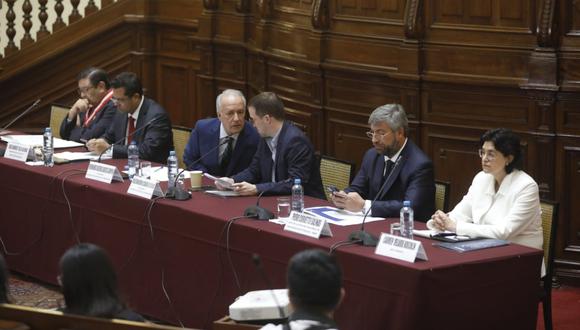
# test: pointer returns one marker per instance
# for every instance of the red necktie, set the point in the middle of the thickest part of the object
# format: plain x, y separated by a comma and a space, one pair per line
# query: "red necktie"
130, 129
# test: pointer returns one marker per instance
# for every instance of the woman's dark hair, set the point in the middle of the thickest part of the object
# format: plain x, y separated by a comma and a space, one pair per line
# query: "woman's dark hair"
89, 282
506, 142
3, 281
314, 280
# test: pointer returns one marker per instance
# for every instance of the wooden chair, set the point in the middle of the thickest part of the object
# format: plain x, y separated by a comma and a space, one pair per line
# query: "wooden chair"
57, 114
36, 318
442, 195
550, 228
180, 138
335, 172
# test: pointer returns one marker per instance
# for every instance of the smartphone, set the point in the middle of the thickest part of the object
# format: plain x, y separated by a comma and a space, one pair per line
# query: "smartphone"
332, 189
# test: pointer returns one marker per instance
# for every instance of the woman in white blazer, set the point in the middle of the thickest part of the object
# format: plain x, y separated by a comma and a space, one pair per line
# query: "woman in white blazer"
503, 201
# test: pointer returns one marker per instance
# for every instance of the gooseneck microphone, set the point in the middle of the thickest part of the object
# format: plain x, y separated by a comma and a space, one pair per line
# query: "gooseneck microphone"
128, 135
361, 236
19, 116
258, 263
181, 194
258, 212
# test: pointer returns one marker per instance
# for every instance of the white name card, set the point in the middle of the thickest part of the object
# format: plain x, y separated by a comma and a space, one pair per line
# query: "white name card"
16, 151
145, 188
307, 225
400, 248
103, 172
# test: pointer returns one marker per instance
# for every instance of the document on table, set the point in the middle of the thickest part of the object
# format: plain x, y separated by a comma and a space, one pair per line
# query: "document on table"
339, 217
159, 173
74, 156
36, 140
223, 193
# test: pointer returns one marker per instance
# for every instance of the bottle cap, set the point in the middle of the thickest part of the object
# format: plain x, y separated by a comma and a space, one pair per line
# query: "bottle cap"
172, 153
407, 203
297, 181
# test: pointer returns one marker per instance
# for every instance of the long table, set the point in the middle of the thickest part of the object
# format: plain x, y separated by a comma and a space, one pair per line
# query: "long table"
180, 247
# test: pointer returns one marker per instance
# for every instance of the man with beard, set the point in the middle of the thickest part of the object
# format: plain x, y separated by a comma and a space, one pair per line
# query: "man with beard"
395, 170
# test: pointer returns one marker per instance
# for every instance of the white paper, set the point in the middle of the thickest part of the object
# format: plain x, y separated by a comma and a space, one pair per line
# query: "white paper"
339, 217
159, 173
223, 193
87, 155
223, 183
36, 140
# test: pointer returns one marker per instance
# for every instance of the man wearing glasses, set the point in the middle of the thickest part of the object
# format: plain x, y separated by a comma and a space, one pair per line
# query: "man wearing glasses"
139, 119
284, 154
93, 112
225, 145
393, 171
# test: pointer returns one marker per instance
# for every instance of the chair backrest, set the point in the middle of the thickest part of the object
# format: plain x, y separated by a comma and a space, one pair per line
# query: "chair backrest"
180, 138
57, 114
44, 319
550, 227
335, 172
442, 195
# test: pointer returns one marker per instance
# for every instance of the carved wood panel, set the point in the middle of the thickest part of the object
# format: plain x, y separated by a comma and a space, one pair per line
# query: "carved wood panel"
485, 13
384, 9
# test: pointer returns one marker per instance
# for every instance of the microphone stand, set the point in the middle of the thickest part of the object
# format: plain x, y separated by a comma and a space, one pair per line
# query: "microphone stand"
3, 130
258, 263
258, 212
180, 194
361, 236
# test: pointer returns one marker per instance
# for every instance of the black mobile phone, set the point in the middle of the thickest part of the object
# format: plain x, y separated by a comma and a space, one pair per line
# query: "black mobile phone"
331, 189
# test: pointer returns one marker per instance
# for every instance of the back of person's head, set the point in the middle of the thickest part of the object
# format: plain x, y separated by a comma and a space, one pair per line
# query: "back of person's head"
393, 114
3, 281
129, 81
314, 281
506, 142
268, 103
89, 282
95, 75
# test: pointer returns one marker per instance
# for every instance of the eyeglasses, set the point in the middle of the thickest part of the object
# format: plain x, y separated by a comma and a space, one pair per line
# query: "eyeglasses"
371, 134
490, 155
82, 90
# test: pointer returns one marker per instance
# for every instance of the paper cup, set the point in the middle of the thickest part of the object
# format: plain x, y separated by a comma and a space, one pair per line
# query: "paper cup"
195, 177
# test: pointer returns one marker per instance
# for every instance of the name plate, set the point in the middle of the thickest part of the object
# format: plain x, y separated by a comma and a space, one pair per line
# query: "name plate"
16, 151
307, 225
400, 248
103, 172
145, 188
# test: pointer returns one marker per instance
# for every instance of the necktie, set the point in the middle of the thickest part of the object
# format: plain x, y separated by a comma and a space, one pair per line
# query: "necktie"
388, 168
227, 156
130, 129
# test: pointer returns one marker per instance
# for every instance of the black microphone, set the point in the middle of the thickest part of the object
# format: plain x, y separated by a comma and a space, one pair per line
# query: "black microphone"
258, 263
361, 236
177, 192
128, 135
258, 212
19, 116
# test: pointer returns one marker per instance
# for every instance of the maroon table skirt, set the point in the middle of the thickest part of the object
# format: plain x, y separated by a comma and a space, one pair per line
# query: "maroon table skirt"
181, 246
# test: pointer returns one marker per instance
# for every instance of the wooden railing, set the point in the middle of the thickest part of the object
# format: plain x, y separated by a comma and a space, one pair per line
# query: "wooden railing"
19, 29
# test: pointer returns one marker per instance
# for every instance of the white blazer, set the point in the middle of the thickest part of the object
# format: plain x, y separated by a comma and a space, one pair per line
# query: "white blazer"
512, 213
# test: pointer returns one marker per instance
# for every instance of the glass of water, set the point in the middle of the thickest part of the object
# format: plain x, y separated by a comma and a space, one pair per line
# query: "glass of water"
283, 207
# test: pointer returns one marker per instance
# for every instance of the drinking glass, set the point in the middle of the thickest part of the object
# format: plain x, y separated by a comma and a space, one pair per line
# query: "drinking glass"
283, 207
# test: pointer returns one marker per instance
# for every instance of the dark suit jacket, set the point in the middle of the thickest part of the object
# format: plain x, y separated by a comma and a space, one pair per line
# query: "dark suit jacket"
204, 138
97, 127
294, 159
412, 179
154, 141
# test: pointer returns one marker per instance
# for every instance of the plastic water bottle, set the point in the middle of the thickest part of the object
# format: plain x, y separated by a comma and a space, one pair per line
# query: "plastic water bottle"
172, 169
133, 159
297, 196
48, 147
406, 217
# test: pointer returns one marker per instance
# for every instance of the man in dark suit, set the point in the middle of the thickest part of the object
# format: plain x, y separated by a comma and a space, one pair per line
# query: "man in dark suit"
284, 153
139, 119
396, 163
225, 145
93, 112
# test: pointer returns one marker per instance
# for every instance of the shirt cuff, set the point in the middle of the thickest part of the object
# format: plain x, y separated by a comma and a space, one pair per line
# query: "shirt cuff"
367, 207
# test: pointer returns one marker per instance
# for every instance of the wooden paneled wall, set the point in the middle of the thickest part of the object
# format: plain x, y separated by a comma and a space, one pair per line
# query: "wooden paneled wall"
459, 67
